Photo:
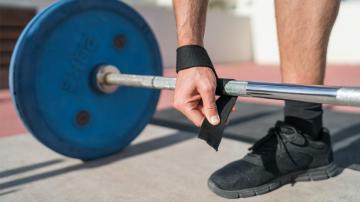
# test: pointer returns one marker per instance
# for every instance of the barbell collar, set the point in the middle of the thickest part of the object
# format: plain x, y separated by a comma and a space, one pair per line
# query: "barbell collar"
100, 74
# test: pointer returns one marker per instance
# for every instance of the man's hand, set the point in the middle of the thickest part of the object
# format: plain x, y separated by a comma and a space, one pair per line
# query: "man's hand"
195, 87
195, 95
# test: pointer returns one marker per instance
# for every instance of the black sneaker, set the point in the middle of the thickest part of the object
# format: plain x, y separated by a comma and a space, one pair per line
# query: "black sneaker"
285, 155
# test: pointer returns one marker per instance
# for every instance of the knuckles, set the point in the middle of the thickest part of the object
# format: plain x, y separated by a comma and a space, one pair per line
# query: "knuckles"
211, 107
207, 88
178, 104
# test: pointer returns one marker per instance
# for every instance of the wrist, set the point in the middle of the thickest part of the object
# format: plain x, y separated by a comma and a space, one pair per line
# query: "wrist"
189, 56
183, 41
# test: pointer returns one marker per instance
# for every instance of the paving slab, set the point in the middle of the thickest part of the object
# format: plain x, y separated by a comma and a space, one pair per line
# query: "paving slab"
162, 164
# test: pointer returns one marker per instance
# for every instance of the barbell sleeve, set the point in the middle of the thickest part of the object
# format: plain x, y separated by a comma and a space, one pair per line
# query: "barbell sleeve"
306, 93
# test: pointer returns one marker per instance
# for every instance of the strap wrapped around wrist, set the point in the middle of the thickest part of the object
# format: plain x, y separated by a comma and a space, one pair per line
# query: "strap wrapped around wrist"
192, 56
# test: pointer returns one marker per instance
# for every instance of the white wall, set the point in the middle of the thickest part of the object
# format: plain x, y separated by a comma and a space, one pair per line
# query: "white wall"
227, 39
248, 35
344, 46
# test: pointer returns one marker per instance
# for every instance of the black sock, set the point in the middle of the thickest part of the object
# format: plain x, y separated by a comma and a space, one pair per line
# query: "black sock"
305, 116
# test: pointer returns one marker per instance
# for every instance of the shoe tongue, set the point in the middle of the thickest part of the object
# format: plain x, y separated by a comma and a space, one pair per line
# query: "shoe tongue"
286, 128
291, 134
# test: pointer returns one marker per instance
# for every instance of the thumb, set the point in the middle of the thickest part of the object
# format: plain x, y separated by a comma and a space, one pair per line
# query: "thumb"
209, 107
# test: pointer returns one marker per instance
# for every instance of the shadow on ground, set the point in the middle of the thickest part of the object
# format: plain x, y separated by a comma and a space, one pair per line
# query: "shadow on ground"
130, 151
251, 119
346, 145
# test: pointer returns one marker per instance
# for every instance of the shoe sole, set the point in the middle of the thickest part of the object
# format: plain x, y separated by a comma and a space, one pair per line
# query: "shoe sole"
314, 174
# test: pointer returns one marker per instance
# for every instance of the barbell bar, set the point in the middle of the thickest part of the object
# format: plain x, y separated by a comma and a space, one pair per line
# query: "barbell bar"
109, 77
77, 105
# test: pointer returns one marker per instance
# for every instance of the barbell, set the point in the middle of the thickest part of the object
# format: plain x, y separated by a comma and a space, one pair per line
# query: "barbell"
75, 66
109, 79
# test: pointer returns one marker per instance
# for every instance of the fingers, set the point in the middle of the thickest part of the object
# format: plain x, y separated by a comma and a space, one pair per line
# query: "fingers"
196, 87
195, 116
228, 121
188, 104
191, 110
209, 109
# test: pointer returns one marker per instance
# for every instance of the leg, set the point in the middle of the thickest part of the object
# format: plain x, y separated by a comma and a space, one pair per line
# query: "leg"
304, 28
285, 154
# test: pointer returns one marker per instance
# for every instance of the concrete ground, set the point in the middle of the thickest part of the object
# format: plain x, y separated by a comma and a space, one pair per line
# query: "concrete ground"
165, 164
161, 165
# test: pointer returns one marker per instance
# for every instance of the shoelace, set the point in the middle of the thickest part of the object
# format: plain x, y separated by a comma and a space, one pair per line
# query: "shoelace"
264, 145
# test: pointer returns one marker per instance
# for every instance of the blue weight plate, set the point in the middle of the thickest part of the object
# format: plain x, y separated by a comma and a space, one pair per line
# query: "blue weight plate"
50, 76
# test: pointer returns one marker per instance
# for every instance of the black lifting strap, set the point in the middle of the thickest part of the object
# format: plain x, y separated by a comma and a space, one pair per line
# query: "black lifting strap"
213, 134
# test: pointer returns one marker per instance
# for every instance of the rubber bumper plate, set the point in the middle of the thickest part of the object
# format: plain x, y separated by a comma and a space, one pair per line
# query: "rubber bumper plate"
51, 71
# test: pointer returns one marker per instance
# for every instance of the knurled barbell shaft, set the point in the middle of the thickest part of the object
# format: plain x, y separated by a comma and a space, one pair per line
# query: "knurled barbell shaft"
306, 93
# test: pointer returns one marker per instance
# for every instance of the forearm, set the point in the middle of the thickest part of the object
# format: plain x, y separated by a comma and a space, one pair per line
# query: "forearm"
190, 21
